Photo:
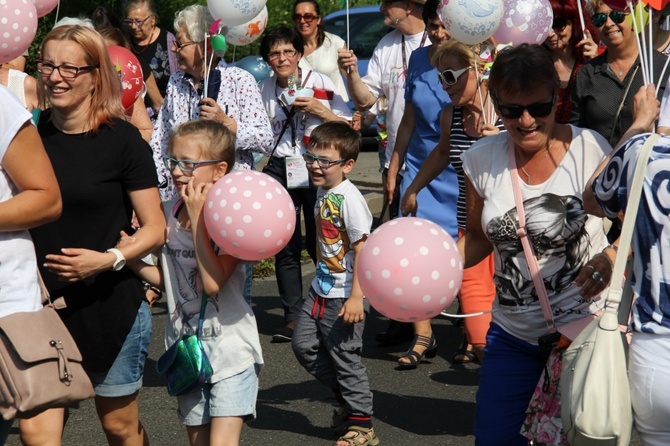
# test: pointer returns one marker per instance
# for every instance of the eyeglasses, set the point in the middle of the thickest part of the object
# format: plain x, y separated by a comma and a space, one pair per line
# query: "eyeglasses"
388, 2
286, 53
600, 18
180, 46
308, 18
559, 23
450, 77
324, 163
537, 110
67, 72
135, 22
187, 167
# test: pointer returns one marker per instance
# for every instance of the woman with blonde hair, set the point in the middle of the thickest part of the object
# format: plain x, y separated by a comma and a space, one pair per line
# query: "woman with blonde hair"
105, 172
462, 122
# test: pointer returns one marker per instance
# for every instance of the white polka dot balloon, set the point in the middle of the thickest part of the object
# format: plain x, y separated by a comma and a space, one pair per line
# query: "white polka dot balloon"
249, 215
410, 269
18, 25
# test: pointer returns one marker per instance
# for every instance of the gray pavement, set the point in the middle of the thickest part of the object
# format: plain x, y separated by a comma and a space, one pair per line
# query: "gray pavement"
432, 405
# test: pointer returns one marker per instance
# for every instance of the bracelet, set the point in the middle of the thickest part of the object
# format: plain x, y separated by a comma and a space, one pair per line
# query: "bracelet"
614, 247
602, 254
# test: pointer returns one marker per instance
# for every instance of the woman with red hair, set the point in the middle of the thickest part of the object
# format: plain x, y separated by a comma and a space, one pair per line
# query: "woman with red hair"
570, 48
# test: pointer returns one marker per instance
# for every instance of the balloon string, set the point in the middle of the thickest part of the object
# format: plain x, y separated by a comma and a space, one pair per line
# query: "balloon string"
463, 316
581, 18
640, 50
57, 13
479, 87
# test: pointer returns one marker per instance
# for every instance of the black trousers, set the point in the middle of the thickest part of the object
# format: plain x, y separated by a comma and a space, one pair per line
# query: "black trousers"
287, 261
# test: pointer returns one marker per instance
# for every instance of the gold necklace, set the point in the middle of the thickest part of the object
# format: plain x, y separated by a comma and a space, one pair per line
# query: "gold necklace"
546, 154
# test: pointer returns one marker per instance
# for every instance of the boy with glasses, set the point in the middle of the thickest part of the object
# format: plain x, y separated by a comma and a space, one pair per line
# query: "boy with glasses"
328, 339
295, 101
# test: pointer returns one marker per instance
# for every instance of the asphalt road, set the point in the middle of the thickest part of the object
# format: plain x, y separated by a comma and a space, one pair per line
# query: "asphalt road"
431, 405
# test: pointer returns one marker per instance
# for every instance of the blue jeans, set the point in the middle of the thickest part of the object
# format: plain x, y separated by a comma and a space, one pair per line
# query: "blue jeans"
507, 379
125, 376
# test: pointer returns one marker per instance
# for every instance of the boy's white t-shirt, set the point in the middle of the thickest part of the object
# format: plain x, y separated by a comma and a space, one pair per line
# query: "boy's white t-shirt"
229, 335
342, 218
564, 236
18, 266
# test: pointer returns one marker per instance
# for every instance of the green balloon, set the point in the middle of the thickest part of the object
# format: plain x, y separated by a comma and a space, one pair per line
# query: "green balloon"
219, 43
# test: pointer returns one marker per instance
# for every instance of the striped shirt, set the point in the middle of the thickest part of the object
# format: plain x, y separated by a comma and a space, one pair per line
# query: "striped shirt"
460, 142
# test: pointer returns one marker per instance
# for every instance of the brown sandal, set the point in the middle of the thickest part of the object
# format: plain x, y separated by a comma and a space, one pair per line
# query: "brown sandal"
356, 433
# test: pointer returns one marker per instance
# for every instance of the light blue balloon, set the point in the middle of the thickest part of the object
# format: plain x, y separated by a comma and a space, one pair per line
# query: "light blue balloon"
255, 65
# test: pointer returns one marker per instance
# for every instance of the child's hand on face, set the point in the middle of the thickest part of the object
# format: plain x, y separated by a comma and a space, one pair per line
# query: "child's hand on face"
194, 196
352, 311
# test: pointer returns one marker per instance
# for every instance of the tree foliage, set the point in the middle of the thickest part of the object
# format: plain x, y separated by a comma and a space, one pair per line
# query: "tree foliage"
279, 12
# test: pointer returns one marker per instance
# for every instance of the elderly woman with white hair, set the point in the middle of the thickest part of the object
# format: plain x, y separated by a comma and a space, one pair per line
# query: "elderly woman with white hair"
231, 96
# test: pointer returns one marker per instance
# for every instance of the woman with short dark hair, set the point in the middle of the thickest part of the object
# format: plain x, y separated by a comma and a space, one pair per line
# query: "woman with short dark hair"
554, 163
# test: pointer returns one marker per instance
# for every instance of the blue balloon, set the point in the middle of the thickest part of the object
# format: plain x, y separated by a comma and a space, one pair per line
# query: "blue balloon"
255, 65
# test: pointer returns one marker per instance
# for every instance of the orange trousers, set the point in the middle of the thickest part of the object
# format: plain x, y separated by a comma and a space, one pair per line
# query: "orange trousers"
477, 294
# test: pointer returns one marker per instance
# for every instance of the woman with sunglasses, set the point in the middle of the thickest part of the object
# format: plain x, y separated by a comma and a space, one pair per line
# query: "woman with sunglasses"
604, 88
151, 44
554, 163
418, 133
230, 97
570, 48
106, 174
320, 47
461, 123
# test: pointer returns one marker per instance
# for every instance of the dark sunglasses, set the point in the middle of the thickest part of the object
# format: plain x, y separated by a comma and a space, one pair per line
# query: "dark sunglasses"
600, 18
450, 77
308, 18
537, 110
559, 23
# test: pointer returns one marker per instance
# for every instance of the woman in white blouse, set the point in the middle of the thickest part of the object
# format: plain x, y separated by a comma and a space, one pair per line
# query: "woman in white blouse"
320, 49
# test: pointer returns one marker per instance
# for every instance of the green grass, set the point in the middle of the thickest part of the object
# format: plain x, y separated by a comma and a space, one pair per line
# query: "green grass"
266, 267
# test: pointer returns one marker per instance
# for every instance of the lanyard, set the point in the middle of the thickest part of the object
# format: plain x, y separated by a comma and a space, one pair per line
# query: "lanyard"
288, 113
404, 51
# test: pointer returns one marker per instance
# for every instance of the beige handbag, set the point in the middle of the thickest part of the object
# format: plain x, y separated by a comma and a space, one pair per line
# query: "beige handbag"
40, 364
595, 394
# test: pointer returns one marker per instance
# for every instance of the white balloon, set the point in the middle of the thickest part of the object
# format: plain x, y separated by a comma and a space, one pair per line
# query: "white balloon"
248, 32
235, 12
471, 21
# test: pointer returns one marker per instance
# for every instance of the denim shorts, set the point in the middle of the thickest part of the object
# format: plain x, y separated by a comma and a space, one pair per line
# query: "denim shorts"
125, 376
231, 397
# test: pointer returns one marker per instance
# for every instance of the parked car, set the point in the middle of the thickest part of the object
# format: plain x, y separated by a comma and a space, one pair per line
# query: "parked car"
366, 28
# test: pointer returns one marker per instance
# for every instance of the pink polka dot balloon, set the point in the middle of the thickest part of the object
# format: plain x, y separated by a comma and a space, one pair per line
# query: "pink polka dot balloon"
410, 269
44, 7
18, 25
249, 215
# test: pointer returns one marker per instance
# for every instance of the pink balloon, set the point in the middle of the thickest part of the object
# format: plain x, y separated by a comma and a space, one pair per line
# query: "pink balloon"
525, 21
44, 7
410, 269
249, 215
18, 25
